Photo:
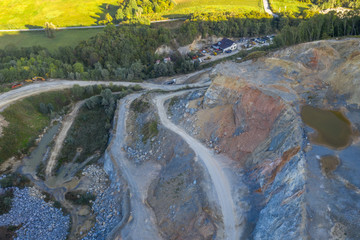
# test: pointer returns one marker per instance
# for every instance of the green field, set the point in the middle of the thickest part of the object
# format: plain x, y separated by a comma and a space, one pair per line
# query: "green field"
34, 13
295, 6
17, 14
185, 7
63, 38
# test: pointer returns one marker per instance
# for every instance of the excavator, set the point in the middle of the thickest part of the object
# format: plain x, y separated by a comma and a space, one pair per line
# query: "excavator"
38, 79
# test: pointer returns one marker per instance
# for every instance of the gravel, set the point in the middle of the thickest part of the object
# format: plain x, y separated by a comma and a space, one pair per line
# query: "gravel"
38, 219
107, 206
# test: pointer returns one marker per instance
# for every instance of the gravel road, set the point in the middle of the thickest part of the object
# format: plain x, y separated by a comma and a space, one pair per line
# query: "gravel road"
35, 88
142, 225
220, 181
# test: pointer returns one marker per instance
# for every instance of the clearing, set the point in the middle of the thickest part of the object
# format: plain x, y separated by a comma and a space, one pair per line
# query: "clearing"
62, 38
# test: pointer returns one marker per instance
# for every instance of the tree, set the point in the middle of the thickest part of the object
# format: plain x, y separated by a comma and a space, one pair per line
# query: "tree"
50, 108
119, 15
43, 108
108, 18
78, 67
50, 29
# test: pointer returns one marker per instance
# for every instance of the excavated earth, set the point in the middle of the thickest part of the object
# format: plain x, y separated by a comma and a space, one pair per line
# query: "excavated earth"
300, 185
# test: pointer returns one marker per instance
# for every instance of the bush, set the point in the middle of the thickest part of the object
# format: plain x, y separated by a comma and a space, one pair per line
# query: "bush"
149, 130
6, 201
14, 180
139, 105
80, 198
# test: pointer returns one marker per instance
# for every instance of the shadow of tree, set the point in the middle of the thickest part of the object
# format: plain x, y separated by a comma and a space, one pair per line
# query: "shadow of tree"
28, 26
104, 9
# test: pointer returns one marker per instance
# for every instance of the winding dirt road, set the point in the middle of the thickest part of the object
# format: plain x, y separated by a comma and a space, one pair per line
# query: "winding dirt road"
61, 137
35, 88
220, 181
142, 224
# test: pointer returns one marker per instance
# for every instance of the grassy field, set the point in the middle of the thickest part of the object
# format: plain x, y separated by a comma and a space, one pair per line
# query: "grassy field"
185, 7
63, 38
288, 5
62, 13
34, 13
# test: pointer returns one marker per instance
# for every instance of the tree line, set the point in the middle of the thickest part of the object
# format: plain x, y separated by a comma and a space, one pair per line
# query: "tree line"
127, 53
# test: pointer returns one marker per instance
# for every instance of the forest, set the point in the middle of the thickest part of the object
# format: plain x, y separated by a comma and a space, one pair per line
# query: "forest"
127, 53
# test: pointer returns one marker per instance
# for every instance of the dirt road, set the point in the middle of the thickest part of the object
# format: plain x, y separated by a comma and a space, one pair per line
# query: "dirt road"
142, 225
61, 137
51, 85
218, 177
268, 9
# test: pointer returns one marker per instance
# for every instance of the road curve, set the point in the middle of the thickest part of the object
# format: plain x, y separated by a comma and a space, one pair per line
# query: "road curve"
36, 88
268, 9
142, 225
61, 137
220, 181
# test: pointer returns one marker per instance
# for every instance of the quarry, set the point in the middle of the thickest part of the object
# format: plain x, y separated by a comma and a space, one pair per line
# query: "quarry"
266, 148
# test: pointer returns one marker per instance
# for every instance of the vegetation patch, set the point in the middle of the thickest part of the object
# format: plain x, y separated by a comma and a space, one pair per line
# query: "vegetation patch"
139, 105
9, 181
8, 232
89, 133
6, 201
80, 198
14, 180
149, 130
26, 122
28, 117
255, 55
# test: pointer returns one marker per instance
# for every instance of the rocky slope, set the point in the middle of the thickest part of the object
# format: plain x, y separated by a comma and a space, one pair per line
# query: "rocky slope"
252, 114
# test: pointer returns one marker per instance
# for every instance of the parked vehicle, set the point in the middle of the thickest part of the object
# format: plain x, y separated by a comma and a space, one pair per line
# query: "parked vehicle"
16, 85
228, 51
38, 79
29, 80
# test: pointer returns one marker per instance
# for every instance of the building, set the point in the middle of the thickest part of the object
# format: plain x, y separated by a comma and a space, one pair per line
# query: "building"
225, 45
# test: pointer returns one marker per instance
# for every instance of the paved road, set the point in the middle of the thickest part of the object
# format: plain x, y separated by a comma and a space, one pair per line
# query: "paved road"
218, 177
268, 9
82, 27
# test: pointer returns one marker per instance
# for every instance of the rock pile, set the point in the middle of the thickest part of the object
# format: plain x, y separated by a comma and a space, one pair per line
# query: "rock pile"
38, 219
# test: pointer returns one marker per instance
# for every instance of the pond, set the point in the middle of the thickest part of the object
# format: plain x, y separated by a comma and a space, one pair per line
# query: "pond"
332, 127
